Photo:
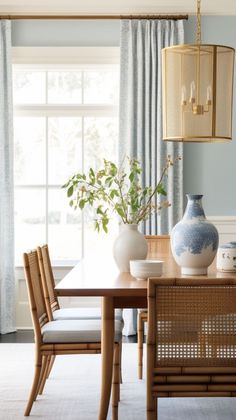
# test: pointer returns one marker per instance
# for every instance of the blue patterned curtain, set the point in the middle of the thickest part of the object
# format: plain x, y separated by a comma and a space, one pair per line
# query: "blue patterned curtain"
7, 280
141, 116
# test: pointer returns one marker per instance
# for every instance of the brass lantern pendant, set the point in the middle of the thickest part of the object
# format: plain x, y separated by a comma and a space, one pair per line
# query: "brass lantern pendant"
197, 91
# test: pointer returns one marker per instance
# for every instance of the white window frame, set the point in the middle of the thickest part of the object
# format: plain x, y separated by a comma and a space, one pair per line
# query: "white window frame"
64, 58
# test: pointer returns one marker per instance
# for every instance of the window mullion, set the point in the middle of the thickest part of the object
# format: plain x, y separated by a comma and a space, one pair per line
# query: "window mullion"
82, 87
63, 110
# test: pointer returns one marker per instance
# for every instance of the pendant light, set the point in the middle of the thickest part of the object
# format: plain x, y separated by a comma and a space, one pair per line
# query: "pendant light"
197, 91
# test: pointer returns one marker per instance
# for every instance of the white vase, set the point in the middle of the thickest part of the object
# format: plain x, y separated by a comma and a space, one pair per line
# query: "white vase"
129, 245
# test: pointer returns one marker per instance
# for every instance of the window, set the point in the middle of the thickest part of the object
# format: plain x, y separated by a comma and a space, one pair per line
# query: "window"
65, 121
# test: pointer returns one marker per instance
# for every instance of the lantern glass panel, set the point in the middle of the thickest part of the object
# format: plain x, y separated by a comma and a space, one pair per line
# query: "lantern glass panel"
197, 92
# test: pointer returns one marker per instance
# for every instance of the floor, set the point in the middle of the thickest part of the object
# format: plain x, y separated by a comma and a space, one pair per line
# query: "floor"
27, 336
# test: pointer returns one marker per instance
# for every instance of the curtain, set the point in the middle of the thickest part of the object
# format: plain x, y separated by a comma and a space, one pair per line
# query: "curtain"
7, 280
140, 130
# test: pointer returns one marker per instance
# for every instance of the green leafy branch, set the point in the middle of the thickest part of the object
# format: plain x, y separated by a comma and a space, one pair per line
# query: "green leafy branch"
112, 190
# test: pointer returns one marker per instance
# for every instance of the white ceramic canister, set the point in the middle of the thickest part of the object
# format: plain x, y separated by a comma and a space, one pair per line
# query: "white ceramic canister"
226, 257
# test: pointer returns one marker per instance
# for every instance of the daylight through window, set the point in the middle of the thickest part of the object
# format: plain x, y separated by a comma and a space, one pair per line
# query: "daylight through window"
65, 121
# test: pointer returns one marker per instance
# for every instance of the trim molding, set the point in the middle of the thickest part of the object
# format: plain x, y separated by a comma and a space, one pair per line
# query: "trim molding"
69, 56
222, 219
226, 226
106, 7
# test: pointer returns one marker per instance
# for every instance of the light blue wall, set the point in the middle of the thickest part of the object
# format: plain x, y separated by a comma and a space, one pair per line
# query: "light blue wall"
60, 33
208, 169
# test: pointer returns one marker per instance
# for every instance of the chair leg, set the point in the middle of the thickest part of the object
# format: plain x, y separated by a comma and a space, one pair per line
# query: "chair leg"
51, 363
152, 409
46, 372
43, 369
120, 352
34, 389
44, 376
140, 345
116, 382
120, 368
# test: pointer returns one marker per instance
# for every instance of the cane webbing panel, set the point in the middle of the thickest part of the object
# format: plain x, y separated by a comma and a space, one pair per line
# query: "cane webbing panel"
35, 288
196, 325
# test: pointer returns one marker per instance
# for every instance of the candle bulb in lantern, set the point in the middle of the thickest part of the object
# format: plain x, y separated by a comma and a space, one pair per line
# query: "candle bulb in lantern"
209, 95
192, 92
183, 95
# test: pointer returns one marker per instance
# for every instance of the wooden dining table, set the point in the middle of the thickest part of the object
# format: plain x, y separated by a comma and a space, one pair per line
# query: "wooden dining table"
100, 277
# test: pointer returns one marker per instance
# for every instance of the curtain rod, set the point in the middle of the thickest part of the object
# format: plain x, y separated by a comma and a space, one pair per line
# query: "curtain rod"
93, 17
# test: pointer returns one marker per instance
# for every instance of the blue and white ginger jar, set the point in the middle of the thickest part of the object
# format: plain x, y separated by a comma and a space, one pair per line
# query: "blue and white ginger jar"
194, 240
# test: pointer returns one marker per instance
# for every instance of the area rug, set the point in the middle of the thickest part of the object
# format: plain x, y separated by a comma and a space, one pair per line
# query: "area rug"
72, 391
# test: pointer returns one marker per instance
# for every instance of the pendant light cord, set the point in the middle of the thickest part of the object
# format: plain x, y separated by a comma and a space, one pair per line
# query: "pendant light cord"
199, 38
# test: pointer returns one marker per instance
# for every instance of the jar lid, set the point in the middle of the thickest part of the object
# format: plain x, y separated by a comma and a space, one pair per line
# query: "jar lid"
229, 245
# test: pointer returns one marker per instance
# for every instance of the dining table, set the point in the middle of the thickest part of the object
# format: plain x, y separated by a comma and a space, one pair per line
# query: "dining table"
101, 278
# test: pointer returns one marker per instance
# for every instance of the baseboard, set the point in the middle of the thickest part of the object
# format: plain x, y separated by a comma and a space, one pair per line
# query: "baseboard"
24, 328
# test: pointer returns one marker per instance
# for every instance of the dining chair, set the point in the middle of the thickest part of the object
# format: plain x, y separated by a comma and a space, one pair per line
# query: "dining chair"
54, 311
177, 365
62, 337
156, 243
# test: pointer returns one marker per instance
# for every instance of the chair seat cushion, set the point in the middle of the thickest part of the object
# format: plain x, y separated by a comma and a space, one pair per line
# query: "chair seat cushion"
76, 331
82, 313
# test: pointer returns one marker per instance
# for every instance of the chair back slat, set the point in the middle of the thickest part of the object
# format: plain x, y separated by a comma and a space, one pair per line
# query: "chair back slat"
35, 292
51, 299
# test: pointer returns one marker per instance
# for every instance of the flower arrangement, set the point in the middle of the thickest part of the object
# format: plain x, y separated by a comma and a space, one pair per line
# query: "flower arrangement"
117, 190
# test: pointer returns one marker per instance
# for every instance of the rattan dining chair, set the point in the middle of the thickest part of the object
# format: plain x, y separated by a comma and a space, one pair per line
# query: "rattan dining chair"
177, 365
156, 243
63, 337
54, 311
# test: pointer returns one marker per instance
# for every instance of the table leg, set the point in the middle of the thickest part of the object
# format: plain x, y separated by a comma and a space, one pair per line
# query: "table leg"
107, 354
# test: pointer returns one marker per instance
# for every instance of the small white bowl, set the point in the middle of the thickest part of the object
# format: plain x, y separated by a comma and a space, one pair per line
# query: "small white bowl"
142, 269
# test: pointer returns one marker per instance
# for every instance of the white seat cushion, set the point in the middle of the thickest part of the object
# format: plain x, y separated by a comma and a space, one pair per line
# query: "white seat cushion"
77, 331
82, 313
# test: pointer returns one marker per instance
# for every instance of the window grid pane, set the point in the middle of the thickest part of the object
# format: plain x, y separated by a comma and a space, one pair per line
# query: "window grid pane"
29, 219
46, 156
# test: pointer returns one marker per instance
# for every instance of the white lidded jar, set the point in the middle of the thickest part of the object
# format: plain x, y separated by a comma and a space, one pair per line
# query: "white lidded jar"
129, 245
226, 257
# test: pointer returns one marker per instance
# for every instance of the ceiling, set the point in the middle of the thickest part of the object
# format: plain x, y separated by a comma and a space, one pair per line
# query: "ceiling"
212, 7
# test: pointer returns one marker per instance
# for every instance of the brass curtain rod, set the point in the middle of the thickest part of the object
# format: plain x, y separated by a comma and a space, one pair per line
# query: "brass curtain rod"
94, 17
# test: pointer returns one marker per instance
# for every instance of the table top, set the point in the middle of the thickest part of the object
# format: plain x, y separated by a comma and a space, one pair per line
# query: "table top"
99, 277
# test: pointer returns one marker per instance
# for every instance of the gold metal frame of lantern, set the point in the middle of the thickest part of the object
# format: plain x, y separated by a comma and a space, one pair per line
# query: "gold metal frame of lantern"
197, 83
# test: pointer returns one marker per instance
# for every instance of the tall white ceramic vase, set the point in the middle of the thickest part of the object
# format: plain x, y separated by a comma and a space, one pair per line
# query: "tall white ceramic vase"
129, 245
